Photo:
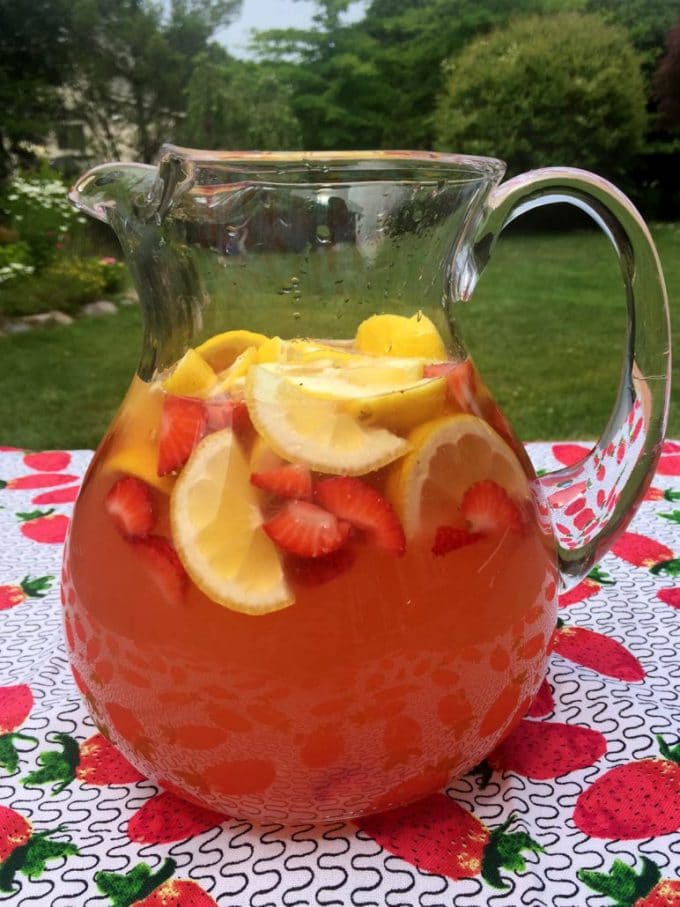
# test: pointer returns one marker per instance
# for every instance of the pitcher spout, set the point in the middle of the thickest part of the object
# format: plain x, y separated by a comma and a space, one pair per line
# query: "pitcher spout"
114, 186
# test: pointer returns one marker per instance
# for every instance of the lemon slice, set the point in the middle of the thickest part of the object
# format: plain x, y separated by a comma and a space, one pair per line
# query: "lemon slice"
396, 335
217, 531
191, 377
231, 377
302, 427
222, 349
447, 456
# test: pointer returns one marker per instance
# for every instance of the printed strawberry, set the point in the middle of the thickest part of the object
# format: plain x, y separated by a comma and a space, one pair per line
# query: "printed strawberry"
13, 595
306, 530
596, 651
449, 538
167, 818
44, 526
58, 496
589, 586
364, 508
48, 460
670, 597
641, 551
627, 888
566, 493
292, 480
140, 887
669, 464
25, 851
129, 504
36, 480
159, 559
543, 703
183, 424
547, 749
636, 800
672, 517
96, 761
569, 454
16, 703
660, 494
488, 508
437, 835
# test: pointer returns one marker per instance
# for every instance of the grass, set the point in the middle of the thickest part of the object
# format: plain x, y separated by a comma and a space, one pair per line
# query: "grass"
545, 326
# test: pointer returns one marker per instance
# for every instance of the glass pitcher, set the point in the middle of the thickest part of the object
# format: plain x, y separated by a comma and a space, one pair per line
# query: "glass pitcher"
312, 573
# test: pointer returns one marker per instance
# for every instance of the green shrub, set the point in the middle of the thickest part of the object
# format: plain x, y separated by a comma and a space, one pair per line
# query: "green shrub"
115, 274
560, 89
66, 284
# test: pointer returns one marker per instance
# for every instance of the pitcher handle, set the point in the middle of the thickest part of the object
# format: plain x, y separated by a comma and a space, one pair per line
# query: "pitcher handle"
590, 502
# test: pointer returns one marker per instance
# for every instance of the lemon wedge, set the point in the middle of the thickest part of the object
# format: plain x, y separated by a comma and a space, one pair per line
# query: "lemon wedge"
222, 349
232, 376
397, 335
217, 531
447, 456
302, 424
191, 377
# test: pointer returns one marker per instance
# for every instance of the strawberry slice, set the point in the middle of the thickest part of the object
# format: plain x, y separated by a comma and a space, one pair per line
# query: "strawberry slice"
306, 530
160, 560
130, 506
488, 507
183, 424
449, 538
223, 412
361, 505
292, 480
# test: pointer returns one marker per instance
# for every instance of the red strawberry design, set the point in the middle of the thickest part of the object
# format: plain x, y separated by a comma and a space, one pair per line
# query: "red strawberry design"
569, 454
670, 597
306, 530
627, 888
141, 888
183, 424
44, 526
25, 851
565, 494
636, 800
58, 496
450, 538
129, 504
641, 551
167, 818
159, 559
543, 703
437, 835
661, 494
38, 480
96, 761
597, 651
291, 480
589, 586
13, 595
669, 465
48, 460
546, 749
488, 508
364, 508
16, 703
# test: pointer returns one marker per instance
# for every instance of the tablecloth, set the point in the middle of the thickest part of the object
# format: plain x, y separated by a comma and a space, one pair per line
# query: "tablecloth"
580, 806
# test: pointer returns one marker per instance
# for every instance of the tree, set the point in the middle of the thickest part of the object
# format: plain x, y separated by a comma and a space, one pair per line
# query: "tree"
666, 82
560, 89
35, 54
134, 62
237, 105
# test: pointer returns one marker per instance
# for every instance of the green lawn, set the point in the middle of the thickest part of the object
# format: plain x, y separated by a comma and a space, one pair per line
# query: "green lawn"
546, 328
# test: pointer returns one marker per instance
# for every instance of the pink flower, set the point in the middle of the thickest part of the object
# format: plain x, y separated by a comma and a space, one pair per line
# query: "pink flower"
108, 260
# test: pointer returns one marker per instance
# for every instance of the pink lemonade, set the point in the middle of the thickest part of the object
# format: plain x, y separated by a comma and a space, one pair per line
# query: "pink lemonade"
309, 580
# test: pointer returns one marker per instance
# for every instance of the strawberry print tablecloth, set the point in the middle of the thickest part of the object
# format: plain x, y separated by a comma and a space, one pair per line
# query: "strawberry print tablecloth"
580, 806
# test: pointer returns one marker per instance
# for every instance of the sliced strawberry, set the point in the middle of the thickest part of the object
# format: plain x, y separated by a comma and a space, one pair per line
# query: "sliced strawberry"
488, 507
448, 538
183, 424
223, 412
316, 571
292, 480
164, 566
460, 383
306, 530
361, 505
130, 506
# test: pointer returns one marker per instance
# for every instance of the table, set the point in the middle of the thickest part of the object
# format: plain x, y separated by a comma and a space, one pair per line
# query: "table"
589, 784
